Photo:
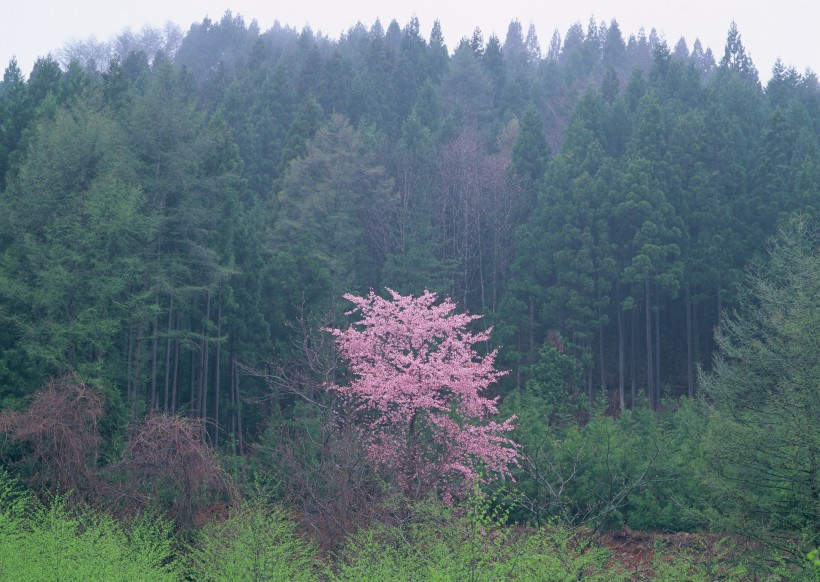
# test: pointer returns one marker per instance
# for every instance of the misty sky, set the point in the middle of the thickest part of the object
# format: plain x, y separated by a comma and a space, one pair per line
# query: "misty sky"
785, 29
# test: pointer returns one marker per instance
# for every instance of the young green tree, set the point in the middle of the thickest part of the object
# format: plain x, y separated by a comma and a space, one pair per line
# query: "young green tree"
763, 443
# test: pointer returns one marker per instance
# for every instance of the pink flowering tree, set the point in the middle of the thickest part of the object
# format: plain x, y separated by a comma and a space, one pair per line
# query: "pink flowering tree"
415, 387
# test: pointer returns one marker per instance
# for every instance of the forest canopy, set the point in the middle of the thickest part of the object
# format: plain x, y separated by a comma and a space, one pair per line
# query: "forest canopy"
631, 225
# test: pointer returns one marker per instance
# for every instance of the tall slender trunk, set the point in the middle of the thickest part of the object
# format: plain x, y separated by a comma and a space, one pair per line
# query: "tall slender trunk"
590, 390
690, 382
531, 330
719, 307
136, 386
193, 404
620, 314
238, 398
696, 333
657, 346
650, 375
633, 350
129, 365
154, 341
481, 274
216, 371
176, 367
168, 352
601, 360
232, 397
203, 380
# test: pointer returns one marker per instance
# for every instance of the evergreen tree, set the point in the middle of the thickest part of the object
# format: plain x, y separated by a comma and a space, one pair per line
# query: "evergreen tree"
763, 442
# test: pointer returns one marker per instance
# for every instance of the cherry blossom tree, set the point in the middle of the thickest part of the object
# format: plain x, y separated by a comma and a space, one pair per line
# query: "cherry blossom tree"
415, 387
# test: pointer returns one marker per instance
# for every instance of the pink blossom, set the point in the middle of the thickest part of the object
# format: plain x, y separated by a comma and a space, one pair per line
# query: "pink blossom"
416, 385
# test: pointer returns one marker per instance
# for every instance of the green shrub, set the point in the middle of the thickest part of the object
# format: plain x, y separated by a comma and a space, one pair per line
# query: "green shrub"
640, 470
254, 543
437, 542
56, 542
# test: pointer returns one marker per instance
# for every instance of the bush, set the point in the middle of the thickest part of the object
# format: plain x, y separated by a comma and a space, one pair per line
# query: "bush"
254, 543
431, 541
639, 470
56, 542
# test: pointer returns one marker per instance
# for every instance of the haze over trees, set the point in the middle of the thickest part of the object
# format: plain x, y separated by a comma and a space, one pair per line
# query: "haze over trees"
631, 223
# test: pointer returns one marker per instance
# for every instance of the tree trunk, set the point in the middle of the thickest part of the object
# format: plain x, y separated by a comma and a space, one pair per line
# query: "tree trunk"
690, 382
129, 365
601, 359
232, 396
532, 329
620, 313
154, 341
650, 389
218, 353
238, 409
633, 366
719, 307
203, 380
193, 404
135, 387
168, 353
657, 347
176, 367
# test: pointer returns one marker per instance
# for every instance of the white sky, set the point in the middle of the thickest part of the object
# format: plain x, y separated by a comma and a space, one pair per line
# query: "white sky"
785, 28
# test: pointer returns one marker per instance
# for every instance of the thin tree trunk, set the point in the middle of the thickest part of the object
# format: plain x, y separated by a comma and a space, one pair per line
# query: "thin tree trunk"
240, 436
650, 390
154, 341
532, 329
136, 387
203, 380
620, 313
168, 353
218, 353
633, 367
601, 356
719, 307
232, 391
690, 382
696, 333
176, 367
590, 390
129, 366
657, 346
193, 404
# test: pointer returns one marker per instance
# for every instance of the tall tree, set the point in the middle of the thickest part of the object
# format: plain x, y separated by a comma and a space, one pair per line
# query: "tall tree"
763, 444
328, 207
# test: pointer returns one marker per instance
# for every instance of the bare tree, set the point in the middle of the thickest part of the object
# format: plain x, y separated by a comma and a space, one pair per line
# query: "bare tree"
167, 460
60, 432
315, 456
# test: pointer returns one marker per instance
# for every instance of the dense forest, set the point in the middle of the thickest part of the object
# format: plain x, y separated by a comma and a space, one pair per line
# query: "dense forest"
213, 244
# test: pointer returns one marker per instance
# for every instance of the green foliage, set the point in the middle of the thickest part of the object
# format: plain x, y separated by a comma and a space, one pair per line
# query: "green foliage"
57, 542
675, 566
161, 224
763, 442
429, 541
254, 543
77, 221
639, 470
553, 379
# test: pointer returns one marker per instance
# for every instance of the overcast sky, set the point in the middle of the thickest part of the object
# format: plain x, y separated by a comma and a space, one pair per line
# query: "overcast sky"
785, 28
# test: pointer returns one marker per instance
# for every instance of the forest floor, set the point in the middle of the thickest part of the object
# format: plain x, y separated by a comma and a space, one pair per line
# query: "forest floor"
637, 551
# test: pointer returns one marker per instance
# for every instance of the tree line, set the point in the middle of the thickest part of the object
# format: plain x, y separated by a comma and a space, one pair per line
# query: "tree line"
177, 225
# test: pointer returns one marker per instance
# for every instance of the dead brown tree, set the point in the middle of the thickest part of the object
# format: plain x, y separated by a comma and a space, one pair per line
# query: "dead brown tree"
60, 436
169, 465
